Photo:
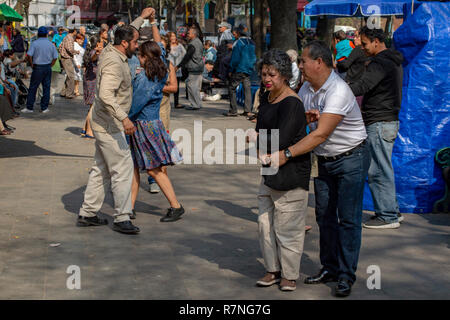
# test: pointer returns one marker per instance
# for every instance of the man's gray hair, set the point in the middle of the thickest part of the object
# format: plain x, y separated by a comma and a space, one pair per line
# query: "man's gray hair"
195, 30
319, 49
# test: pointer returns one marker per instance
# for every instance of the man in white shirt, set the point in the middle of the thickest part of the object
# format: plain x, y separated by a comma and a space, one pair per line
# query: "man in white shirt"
338, 138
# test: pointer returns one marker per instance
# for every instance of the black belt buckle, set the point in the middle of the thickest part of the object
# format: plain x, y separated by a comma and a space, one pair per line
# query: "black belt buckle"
344, 154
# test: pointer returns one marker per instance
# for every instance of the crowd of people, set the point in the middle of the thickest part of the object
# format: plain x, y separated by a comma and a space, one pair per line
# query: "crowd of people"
341, 106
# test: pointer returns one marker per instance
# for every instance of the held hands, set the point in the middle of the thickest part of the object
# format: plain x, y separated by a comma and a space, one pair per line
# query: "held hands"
312, 115
278, 159
128, 126
148, 13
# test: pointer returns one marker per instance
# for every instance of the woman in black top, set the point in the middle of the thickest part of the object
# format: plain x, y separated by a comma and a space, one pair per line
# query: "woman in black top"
283, 193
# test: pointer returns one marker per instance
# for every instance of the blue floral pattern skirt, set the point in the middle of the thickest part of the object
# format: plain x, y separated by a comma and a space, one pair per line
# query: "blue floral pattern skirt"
152, 147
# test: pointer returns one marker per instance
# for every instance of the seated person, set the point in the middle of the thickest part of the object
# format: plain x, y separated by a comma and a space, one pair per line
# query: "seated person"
210, 51
208, 81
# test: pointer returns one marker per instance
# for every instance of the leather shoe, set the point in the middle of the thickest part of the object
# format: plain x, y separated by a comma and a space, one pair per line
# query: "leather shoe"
91, 221
343, 288
173, 214
125, 227
324, 276
132, 214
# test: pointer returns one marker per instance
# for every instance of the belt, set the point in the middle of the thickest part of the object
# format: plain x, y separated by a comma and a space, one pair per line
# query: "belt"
339, 156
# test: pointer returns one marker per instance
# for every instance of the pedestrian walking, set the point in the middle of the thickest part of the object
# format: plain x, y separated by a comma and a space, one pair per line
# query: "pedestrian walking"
243, 59
113, 164
193, 62
176, 55
42, 55
78, 61
67, 52
90, 62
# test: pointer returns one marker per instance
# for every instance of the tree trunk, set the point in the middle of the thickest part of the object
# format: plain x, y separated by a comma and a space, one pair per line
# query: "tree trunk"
325, 29
283, 14
98, 4
171, 14
219, 11
258, 27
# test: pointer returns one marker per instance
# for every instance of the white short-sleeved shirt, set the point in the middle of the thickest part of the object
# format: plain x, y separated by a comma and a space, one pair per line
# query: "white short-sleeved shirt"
335, 97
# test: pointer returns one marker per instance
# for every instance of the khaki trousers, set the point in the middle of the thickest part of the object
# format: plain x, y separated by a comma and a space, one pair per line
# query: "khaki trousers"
113, 167
281, 223
69, 85
164, 111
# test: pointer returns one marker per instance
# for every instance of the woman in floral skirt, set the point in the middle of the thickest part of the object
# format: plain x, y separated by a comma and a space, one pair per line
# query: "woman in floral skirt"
151, 146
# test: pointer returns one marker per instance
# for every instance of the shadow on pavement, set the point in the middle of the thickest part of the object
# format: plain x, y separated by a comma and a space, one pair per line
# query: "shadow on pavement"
74, 130
12, 148
234, 210
72, 202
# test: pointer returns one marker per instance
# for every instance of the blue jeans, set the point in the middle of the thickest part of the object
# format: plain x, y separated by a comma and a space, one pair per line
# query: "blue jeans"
12, 86
41, 74
339, 190
381, 136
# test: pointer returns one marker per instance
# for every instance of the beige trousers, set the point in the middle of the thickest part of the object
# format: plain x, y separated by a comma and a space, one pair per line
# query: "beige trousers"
113, 167
164, 111
69, 85
281, 223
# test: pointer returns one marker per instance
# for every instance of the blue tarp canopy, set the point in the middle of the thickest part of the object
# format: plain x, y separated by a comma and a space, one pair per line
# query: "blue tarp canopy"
350, 8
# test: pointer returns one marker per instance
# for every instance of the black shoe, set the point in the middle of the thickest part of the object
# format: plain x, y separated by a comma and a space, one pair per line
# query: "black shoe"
125, 227
324, 276
230, 114
343, 288
173, 214
132, 215
91, 221
191, 108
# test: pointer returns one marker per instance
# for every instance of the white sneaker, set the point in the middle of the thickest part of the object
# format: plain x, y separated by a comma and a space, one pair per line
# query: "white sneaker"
154, 188
45, 111
25, 110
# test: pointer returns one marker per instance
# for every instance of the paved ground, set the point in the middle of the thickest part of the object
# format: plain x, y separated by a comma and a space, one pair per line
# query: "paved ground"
212, 253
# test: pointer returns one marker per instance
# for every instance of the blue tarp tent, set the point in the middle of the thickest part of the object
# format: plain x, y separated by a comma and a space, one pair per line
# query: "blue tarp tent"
356, 8
424, 41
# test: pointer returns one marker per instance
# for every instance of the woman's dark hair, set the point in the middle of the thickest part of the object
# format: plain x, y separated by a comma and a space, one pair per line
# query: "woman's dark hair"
373, 34
280, 60
167, 42
319, 49
93, 40
340, 35
79, 36
154, 66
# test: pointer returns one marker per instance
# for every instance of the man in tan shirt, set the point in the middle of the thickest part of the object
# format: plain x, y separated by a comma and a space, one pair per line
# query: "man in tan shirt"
67, 51
113, 163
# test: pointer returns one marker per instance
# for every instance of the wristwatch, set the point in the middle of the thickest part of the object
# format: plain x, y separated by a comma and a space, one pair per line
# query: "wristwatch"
287, 154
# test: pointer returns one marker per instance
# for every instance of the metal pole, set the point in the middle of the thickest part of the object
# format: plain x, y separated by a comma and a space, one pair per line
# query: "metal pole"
251, 18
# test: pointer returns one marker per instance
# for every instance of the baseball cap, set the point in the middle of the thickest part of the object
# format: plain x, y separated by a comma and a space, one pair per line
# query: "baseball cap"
42, 30
224, 24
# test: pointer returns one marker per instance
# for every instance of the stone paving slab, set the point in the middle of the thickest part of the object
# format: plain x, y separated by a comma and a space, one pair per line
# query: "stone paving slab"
211, 253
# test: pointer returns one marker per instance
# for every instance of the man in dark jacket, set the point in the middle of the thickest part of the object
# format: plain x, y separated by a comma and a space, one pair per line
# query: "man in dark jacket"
18, 44
242, 63
193, 62
381, 85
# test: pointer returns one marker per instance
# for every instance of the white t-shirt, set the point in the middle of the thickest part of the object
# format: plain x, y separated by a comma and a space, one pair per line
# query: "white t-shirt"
78, 58
335, 97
